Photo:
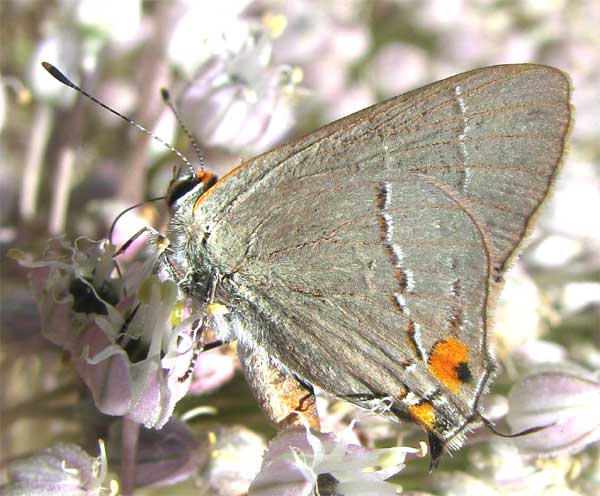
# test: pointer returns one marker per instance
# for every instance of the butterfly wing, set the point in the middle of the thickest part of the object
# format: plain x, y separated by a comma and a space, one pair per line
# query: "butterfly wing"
367, 254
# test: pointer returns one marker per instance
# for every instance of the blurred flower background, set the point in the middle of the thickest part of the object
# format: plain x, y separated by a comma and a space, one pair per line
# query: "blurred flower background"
246, 76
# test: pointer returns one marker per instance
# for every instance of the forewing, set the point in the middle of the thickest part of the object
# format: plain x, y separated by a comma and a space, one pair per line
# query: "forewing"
368, 241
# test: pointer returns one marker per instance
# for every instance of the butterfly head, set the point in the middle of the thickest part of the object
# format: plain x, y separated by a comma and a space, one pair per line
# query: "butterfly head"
184, 181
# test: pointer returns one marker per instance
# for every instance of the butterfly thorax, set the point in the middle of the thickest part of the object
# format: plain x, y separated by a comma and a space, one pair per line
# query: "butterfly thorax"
188, 261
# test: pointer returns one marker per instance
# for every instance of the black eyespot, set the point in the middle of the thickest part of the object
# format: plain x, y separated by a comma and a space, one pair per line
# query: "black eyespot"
463, 372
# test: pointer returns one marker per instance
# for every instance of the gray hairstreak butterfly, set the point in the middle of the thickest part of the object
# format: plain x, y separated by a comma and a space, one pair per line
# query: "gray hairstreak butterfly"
364, 259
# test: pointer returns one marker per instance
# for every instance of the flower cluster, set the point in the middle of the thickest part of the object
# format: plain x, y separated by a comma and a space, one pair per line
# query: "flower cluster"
129, 344
245, 75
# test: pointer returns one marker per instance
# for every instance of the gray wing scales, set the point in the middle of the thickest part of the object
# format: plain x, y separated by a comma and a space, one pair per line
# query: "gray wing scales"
342, 300
497, 135
366, 241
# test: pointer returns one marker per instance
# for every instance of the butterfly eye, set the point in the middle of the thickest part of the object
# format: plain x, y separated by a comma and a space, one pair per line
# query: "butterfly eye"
183, 182
180, 185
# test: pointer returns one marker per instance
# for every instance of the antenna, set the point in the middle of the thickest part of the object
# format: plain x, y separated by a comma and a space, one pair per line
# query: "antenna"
59, 76
167, 99
129, 209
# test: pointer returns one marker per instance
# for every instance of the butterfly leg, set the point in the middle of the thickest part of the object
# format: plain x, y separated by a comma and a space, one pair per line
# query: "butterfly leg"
199, 331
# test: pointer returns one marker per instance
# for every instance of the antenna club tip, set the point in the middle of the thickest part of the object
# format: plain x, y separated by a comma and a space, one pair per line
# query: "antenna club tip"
56, 74
166, 96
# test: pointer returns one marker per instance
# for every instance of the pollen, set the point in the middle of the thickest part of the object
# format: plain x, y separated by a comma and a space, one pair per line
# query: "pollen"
424, 414
448, 362
216, 309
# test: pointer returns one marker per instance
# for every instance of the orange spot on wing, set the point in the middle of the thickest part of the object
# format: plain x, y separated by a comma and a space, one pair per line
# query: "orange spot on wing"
424, 414
448, 362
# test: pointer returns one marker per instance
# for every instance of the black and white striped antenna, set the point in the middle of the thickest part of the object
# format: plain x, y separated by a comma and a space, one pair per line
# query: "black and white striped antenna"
59, 76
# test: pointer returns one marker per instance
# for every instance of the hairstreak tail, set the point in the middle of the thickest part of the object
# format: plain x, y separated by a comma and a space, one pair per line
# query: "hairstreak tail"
365, 258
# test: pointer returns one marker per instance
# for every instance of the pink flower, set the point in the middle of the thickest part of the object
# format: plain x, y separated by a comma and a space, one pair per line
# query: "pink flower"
564, 398
216, 368
64, 469
239, 100
126, 336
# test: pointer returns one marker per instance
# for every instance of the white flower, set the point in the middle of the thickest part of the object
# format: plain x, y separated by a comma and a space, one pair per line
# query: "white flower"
238, 100
298, 460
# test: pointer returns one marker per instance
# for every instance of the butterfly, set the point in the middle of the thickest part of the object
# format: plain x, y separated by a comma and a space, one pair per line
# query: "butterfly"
365, 258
